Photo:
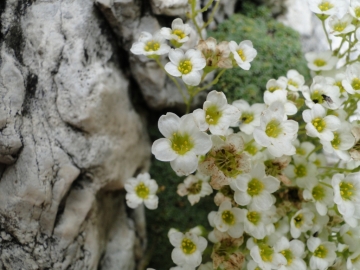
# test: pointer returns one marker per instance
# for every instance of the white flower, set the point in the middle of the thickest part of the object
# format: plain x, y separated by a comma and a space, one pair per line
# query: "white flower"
280, 96
304, 149
273, 85
351, 236
341, 26
188, 248
258, 224
323, 91
275, 133
178, 33
293, 252
343, 141
351, 82
150, 45
253, 148
353, 262
295, 81
216, 115
319, 193
226, 160
243, 53
323, 253
347, 196
195, 186
302, 221
326, 7
188, 66
255, 188
182, 143
249, 115
319, 222
354, 9
321, 60
266, 257
228, 219
319, 125
301, 170
141, 189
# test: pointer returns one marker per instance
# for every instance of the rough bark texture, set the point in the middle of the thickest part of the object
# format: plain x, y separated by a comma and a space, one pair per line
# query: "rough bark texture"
69, 138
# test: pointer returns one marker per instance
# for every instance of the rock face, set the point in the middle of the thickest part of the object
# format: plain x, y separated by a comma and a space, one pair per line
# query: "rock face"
299, 17
69, 138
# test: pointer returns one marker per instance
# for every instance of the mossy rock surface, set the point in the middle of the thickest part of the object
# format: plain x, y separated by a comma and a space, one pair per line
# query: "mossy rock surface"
173, 212
278, 48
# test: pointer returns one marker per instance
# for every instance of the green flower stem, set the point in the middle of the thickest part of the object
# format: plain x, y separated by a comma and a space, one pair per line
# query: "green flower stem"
341, 44
313, 151
211, 17
326, 184
215, 81
193, 16
338, 169
206, 7
326, 33
172, 78
352, 107
190, 90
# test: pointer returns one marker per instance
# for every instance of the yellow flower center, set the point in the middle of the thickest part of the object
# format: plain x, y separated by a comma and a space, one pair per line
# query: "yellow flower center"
319, 124
319, 62
339, 27
185, 66
325, 6
247, 117
181, 143
195, 188
228, 217
300, 151
293, 83
255, 187
188, 246
242, 55
179, 33
212, 115
336, 141
318, 192
273, 88
357, 12
317, 97
320, 252
299, 220
266, 253
152, 46
300, 171
254, 217
251, 149
356, 84
341, 87
288, 255
142, 191
347, 191
273, 129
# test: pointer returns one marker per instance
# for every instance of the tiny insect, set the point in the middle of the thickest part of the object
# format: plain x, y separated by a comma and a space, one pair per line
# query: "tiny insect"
327, 99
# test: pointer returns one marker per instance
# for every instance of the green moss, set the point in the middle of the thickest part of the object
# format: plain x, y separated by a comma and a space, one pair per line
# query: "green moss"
173, 212
278, 48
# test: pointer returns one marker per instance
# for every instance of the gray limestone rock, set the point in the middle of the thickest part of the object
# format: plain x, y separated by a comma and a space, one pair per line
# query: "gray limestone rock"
69, 138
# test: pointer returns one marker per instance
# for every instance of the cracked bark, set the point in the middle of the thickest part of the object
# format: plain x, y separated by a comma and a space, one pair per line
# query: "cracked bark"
69, 138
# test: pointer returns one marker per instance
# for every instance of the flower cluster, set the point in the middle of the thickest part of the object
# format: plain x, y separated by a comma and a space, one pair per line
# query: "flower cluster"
285, 172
